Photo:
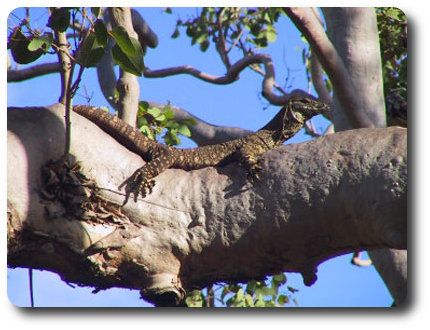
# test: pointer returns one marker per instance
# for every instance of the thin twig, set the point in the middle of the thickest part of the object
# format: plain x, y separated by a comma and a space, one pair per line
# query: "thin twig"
30, 280
221, 45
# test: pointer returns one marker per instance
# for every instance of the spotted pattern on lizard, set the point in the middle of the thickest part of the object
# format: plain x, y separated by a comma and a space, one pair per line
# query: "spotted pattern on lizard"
159, 157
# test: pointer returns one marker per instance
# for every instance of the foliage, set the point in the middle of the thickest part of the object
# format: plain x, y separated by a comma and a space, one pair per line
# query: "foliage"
228, 27
91, 40
253, 294
91, 36
154, 121
392, 26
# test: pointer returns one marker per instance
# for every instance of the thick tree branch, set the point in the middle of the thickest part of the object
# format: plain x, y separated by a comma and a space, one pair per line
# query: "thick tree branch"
335, 194
308, 24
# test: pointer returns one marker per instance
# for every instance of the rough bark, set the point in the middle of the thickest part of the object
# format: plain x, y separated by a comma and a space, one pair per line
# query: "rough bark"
316, 200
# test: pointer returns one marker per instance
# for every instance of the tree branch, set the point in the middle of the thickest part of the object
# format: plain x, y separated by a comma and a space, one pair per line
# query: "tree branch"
232, 75
308, 24
33, 71
203, 133
354, 34
345, 194
127, 84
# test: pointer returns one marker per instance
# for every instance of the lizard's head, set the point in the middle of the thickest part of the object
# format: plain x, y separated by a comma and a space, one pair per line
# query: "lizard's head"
294, 114
307, 107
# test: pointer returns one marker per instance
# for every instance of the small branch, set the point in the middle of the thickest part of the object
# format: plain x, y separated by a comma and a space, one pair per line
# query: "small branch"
146, 35
33, 72
66, 75
221, 44
127, 84
236, 40
308, 24
62, 47
317, 71
233, 75
318, 81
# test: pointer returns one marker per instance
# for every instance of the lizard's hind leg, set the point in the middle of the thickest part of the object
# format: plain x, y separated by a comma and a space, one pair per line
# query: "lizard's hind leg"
141, 182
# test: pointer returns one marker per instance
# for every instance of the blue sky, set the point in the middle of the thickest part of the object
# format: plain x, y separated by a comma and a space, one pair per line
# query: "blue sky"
238, 104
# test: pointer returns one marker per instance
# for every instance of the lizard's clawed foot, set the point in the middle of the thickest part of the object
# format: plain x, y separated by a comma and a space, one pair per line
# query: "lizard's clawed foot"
137, 185
254, 173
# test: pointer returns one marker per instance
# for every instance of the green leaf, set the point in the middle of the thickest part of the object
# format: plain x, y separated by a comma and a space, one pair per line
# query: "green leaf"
184, 130
188, 121
171, 138
291, 289
271, 33
170, 114
160, 118
59, 19
129, 63
90, 51
96, 11
250, 288
239, 299
101, 33
200, 37
141, 121
194, 299
171, 124
18, 44
124, 42
204, 45
94, 57
265, 291
190, 31
283, 299
259, 302
279, 279
154, 112
44, 43
146, 131
175, 34
248, 301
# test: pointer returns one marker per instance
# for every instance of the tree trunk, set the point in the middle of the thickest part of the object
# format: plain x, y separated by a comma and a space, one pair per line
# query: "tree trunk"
315, 200
354, 33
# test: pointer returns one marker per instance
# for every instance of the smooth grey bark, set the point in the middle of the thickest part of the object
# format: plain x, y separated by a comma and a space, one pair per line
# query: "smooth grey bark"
316, 200
127, 84
354, 33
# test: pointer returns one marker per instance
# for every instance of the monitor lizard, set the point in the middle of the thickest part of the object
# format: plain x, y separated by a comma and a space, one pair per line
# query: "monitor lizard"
159, 157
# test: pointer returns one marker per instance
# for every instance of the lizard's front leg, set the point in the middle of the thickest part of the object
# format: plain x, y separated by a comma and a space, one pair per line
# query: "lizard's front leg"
141, 182
249, 156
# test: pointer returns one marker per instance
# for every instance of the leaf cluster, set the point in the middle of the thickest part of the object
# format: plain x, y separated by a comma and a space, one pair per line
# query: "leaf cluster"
154, 122
392, 27
91, 40
246, 28
253, 294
